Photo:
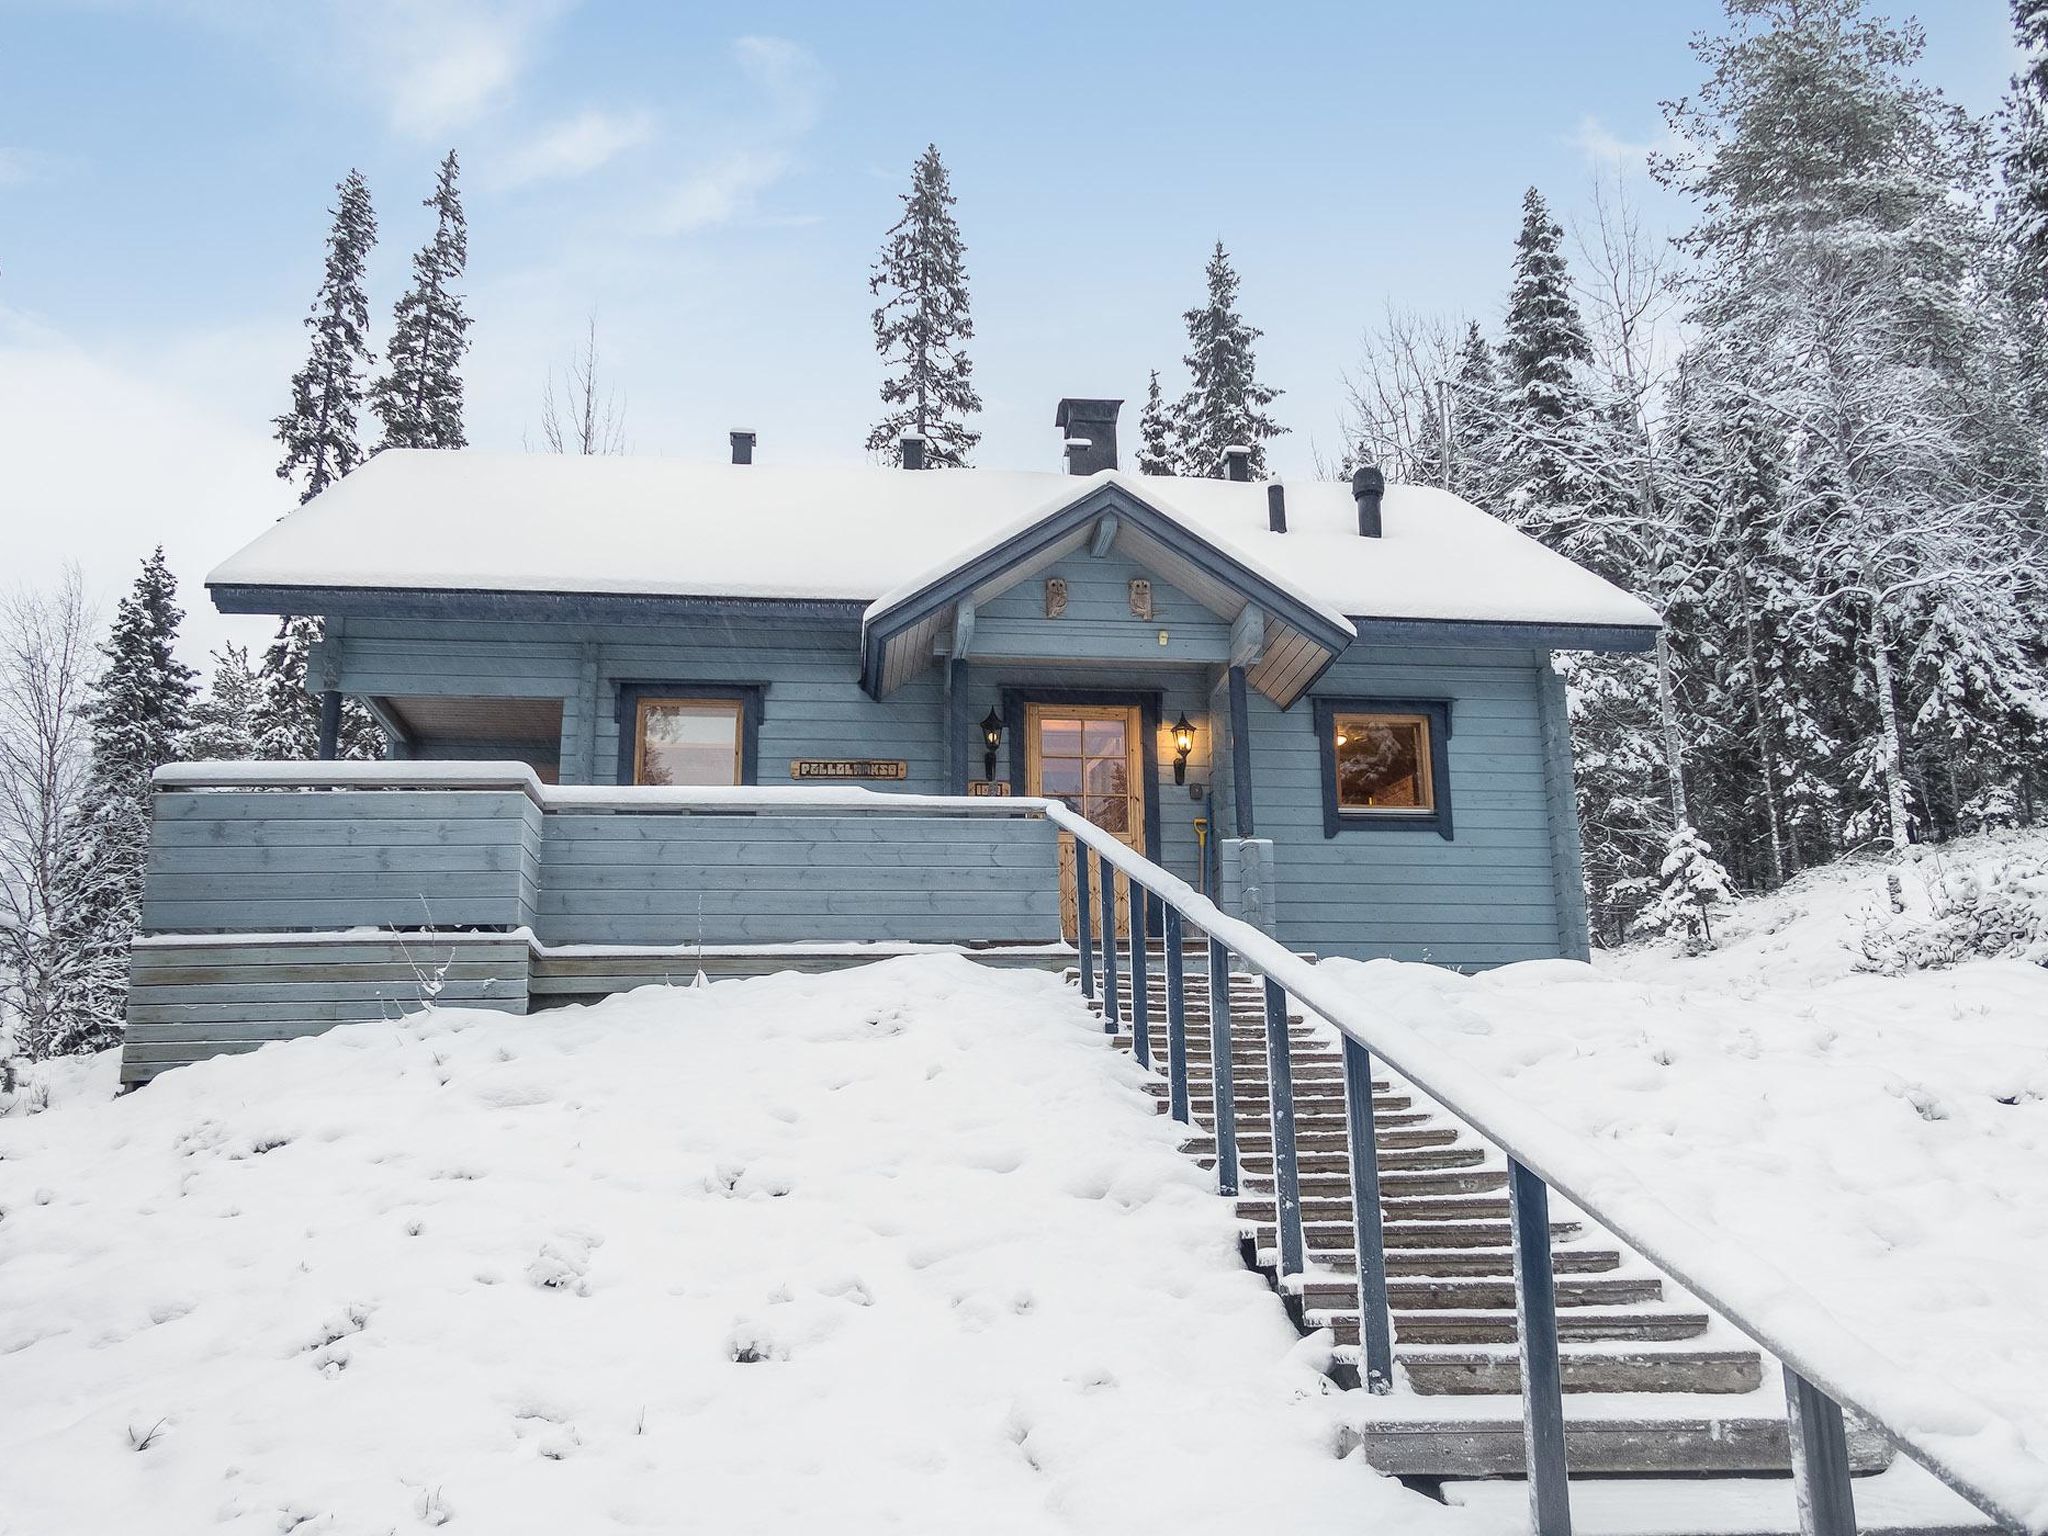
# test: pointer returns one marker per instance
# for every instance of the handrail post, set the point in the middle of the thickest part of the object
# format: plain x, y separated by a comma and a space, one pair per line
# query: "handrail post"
1222, 1070
1820, 1459
1280, 1096
1550, 1509
1375, 1326
1141, 977
1176, 1019
1112, 1004
1084, 920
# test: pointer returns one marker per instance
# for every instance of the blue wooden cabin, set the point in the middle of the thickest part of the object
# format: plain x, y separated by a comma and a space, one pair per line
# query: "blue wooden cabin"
648, 715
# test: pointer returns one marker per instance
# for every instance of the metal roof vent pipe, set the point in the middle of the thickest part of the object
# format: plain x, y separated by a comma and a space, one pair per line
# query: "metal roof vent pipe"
911, 448
742, 446
1237, 463
1368, 489
1276, 507
1089, 428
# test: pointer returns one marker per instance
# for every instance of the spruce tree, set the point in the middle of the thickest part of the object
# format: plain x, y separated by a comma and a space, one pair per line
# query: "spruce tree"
224, 721
285, 721
1691, 881
318, 432
922, 325
1225, 406
1158, 449
138, 713
1557, 442
419, 398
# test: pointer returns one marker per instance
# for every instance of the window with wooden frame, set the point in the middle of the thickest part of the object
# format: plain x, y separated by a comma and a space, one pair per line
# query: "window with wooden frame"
685, 736
1386, 764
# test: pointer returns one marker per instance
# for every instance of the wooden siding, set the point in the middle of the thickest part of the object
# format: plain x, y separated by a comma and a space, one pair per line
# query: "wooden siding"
813, 705
673, 880
272, 861
1486, 897
1098, 623
189, 1001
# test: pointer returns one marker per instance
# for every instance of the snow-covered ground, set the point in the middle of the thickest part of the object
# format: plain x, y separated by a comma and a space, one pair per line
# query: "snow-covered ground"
1881, 1139
903, 1249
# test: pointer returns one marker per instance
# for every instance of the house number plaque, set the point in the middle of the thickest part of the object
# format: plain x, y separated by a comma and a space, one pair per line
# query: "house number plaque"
848, 768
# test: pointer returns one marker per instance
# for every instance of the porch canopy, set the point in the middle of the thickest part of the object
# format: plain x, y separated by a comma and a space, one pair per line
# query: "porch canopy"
1281, 634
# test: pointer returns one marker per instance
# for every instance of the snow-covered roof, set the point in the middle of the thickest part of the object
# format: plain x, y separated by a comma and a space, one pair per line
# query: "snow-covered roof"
472, 520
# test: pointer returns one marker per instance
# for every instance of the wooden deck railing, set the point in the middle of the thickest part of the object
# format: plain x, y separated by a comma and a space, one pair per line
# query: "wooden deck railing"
1971, 1448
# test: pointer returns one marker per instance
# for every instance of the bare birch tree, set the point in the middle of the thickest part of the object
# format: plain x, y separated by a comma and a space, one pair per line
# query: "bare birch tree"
586, 416
47, 660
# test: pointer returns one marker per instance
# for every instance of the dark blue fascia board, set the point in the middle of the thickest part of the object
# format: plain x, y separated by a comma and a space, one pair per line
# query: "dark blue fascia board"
957, 583
568, 607
1548, 637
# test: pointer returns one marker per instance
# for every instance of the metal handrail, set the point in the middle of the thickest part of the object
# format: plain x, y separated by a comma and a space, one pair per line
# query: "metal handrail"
1973, 1449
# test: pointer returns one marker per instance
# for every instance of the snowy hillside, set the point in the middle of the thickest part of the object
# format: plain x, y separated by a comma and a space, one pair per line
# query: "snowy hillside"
1881, 1138
898, 1250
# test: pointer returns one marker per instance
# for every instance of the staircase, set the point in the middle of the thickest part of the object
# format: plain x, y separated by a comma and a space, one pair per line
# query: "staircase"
1656, 1383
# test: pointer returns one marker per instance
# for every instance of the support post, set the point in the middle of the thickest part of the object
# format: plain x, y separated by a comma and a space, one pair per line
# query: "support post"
330, 724
1112, 1004
1375, 1326
958, 727
1084, 921
1550, 1510
1141, 977
1222, 1070
1240, 752
1280, 1096
1176, 1021
1820, 1459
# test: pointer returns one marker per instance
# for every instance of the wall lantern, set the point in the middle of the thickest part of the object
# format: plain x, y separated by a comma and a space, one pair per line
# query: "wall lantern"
1183, 744
991, 741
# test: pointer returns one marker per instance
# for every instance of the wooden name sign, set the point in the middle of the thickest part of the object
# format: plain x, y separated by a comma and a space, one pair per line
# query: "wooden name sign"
848, 768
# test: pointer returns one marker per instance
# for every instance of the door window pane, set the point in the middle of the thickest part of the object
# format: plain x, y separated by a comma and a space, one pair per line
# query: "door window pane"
1103, 738
1383, 763
1059, 738
691, 742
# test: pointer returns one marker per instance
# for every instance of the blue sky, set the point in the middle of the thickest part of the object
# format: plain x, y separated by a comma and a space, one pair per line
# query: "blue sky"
712, 181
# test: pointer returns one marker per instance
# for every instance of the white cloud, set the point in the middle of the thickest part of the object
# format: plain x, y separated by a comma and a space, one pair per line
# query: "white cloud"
20, 165
1606, 149
439, 65
726, 186
575, 146
193, 471
722, 190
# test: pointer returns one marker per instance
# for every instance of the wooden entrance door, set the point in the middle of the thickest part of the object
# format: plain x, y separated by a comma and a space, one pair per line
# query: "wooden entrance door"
1091, 757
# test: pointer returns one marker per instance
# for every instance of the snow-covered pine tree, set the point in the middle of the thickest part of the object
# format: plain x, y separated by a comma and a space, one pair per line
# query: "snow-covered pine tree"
1841, 235
224, 721
2026, 148
285, 721
419, 398
1158, 450
318, 432
1557, 436
138, 713
1692, 881
923, 324
1225, 406
1476, 420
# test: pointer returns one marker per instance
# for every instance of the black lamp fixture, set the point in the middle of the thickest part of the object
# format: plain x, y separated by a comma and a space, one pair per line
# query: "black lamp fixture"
1183, 744
991, 741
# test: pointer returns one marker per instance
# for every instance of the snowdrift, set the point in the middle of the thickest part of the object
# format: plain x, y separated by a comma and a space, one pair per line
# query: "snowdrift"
900, 1249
